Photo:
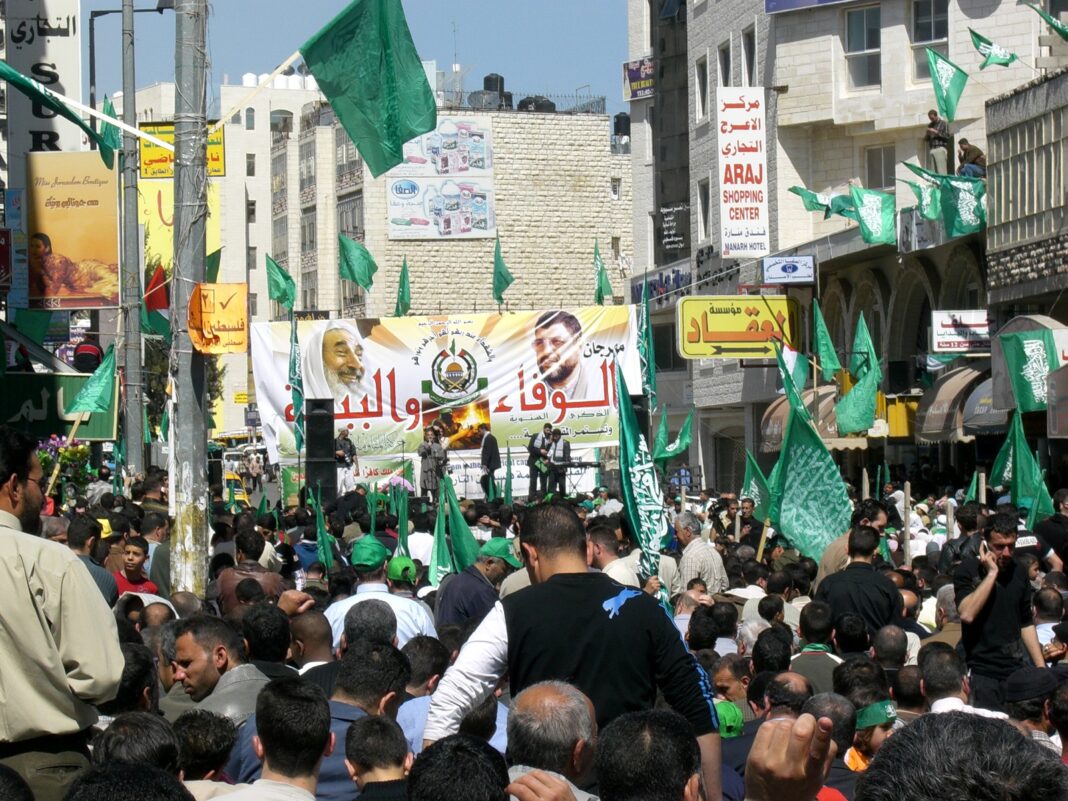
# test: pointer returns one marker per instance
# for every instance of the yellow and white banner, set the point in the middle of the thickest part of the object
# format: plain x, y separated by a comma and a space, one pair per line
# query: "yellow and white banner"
392, 377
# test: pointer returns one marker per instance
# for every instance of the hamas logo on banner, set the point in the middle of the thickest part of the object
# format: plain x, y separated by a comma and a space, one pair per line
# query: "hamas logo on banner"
454, 377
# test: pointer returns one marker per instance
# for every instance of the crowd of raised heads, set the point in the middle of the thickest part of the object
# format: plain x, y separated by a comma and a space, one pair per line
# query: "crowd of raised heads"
563, 663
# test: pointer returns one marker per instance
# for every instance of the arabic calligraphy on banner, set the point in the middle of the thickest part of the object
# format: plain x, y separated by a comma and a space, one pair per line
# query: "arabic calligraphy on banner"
735, 326
743, 179
218, 318
36, 403
158, 162
392, 377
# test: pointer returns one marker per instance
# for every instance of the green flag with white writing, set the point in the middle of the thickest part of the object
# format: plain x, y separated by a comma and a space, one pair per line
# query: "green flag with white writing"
645, 347
1059, 27
1001, 471
864, 358
296, 383
755, 487
814, 201
875, 214
962, 205
98, 393
928, 199
1030, 356
992, 53
948, 80
829, 364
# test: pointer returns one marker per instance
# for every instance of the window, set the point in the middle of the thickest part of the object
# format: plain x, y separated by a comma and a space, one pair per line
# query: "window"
1057, 7
665, 353
703, 200
250, 119
862, 47
306, 158
881, 167
701, 88
251, 304
615, 248
930, 28
250, 164
749, 54
251, 258
725, 64
617, 188
280, 238
307, 231
350, 216
250, 212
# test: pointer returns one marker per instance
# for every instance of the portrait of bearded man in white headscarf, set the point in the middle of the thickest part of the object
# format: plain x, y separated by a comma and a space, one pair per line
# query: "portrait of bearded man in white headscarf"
333, 363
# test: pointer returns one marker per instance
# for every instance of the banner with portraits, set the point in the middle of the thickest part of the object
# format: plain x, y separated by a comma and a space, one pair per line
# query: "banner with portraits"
392, 378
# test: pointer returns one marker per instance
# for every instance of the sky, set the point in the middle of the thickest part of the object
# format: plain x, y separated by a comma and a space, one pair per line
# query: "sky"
539, 46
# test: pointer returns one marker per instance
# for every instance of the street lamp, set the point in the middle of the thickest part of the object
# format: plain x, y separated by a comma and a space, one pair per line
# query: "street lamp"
161, 6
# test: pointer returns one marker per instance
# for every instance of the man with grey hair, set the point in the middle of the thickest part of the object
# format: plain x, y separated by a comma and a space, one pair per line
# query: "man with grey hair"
552, 727
699, 559
748, 633
948, 618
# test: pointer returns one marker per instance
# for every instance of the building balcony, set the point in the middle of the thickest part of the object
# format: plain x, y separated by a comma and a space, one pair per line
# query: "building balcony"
279, 205
308, 260
307, 196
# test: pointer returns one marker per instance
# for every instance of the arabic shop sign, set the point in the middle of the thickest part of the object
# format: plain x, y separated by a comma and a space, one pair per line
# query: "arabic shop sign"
960, 331
639, 79
158, 162
36, 403
674, 224
743, 173
735, 326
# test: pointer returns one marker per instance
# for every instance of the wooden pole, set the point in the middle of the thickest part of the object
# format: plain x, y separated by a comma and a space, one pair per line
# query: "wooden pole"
982, 489
951, 519
906, 541
70, 439
737, 526
763, 539
864, 483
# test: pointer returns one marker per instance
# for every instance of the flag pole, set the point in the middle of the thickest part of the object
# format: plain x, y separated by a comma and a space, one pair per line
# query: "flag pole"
70, 438
240, 104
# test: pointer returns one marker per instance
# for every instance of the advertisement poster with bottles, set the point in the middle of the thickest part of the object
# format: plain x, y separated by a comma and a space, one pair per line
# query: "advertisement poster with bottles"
444, 187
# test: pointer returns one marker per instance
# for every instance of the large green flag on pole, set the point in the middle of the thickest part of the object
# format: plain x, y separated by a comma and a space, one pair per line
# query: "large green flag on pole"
829, 364
1018, 468
811, 504
280, 285
441, 561
356, 264
856, 411
645, 348
643, 503
98, 393
793, 394
1030, 356
864, 356
366, 64
875, 215
1056, 24
755, 486
502, 279
948, 80
404, 292
992, 53
962, 205
603, 288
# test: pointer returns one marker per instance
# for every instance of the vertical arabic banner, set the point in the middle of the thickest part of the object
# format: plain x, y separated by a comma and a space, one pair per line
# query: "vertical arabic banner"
743, 173
392, 377
72, 223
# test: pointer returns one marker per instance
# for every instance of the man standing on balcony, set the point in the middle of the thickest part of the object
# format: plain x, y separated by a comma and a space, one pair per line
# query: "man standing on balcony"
937, 137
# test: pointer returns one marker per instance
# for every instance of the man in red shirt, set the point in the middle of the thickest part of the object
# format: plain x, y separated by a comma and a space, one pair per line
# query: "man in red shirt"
132, 577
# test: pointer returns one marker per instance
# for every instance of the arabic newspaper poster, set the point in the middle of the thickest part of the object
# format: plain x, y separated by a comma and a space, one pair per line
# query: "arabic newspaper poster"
391, 378
218, 318
72, 227
158, 162
743, 160
444, 188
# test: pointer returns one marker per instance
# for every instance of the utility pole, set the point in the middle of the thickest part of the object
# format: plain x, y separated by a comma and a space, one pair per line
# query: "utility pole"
131, 257
189, 565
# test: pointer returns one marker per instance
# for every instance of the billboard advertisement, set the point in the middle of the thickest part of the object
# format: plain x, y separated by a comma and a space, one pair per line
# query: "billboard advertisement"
72, 227
392, 377
639, 79
158, 162
743, 162
444, 189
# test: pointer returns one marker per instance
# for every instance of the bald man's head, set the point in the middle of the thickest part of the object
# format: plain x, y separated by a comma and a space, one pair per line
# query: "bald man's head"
786, 694
156, 615
187, 604
911, 602
553, 726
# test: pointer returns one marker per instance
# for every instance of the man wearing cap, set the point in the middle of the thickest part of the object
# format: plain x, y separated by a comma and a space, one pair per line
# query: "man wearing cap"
402, 576
1028, 695
369, 560
471, 594
606, 504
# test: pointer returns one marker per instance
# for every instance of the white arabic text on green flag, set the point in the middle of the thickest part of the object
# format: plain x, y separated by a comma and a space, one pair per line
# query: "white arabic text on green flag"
1030, 356
1058, 26
864, 356
875, 215
992, 53
928, 197
98, 393
755, 487
645, 348
962, 205
948, 80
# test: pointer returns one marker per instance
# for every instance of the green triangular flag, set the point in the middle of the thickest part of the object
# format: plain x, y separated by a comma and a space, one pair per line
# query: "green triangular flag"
280, 286
463, 542
212, 263
829, 364
502, 279
366, 64
755, 487
811, 503
875, 214
856, 411
441, 561
929, 198
962, 205
492, 491
1056, 24
1002, 471
404, 292
110, 134
864, 357
603, 288
948, 80
508, 477
645, 348
973, 488
814, 201
992, 53
263, 507
98, 393
357, 265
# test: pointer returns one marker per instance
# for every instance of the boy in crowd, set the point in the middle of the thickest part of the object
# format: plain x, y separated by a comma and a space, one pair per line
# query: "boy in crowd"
132, 577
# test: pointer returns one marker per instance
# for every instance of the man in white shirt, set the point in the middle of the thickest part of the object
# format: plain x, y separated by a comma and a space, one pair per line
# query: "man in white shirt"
699, 558
1049, 609
945, 686
369, 559
604, 555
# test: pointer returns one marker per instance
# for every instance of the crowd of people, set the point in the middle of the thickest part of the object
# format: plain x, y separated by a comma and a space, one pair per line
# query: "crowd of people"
552, 668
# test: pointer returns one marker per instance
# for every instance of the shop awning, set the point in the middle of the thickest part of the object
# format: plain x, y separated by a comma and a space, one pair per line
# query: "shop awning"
773, 425
980, 416
941, 413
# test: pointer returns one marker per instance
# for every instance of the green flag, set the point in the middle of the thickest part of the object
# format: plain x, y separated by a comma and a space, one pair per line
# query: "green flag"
811, 503
1018, 468
110, 134
1033, 488
933, 177
948, 80
441, 562
508, 476
962, 205
402, 502
464, 544
829, 364
1002, 469
992, 53
643, 503
155, 306
146, 429
603, 288
98, 393
814, 201
1030, 356
797, 364
296, 383
1056, 24
366, 64
856, 411
755, 486
231, 503
645, 348
165, 424
357, 265
42, 96
263, 506
280, 286
120, 462
492, 491
502, 279
928, 197
404, 292
324, 540
864, 356
843, 206
793, 394
662, 451
973, 488
212, 263
875, 214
